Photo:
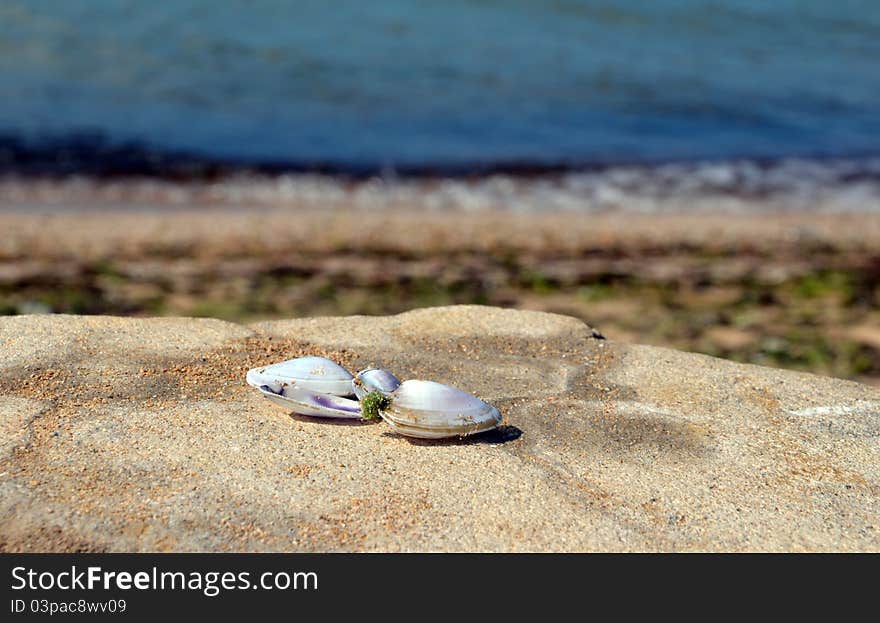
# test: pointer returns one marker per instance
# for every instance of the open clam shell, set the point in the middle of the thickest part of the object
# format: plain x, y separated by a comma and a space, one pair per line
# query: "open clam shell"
430, 410
315, 374
374, 379
316, 404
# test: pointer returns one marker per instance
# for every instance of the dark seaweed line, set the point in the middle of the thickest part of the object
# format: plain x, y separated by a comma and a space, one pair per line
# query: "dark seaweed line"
93, 156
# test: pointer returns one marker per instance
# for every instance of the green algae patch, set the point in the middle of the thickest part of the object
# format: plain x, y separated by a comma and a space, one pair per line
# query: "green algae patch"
372, 403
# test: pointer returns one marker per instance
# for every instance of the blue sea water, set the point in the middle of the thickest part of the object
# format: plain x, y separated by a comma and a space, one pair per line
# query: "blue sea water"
446, 82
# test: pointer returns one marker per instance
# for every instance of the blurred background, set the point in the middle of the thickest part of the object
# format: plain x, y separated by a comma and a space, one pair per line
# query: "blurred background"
701, 175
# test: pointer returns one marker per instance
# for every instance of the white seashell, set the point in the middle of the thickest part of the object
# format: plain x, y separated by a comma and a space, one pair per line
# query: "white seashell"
430, 410
373, 379
310, 373
317, 404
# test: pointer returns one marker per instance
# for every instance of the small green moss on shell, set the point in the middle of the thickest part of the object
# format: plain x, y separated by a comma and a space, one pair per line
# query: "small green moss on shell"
372, 403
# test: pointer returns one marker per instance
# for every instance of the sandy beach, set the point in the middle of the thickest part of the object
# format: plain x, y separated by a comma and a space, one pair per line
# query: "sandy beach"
796, 289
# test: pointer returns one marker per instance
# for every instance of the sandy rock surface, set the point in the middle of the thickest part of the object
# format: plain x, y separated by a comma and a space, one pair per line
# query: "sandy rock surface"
141, 435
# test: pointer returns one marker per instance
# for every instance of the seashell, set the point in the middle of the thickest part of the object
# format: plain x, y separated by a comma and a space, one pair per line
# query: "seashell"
316, 374
373, 379
316, 404
430, 410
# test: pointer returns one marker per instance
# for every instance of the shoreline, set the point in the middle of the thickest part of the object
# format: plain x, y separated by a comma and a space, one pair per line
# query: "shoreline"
728, 186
